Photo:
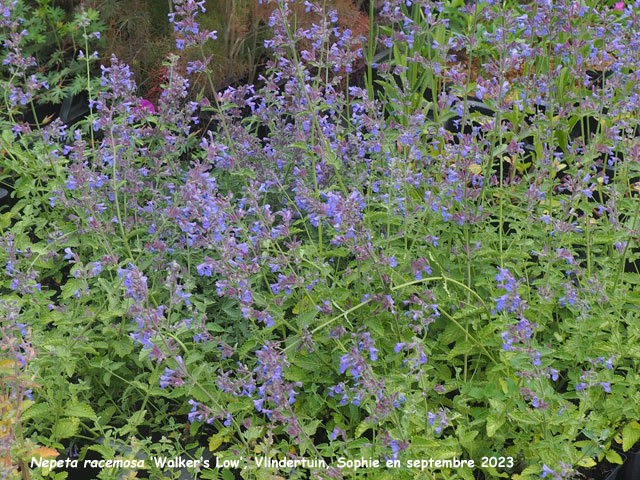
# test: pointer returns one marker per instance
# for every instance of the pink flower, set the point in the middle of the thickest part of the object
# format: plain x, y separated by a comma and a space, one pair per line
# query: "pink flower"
619, 6
146, 104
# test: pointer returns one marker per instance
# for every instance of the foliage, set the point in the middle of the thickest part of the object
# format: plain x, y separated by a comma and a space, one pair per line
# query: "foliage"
438, 262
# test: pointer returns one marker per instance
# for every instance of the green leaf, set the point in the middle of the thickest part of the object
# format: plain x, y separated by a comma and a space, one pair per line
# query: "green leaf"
70, 287
630, 435
81, 410
363, 427
105, 450
424, 443
65, 428
7, 137
587, 462
523, 417
5, 220
493, 424
137, 418
613, 457
216, 440
311, 427
467, 440
35, 411
122, 347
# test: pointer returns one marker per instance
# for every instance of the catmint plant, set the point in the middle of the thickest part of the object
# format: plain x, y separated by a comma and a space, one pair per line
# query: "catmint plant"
310, 267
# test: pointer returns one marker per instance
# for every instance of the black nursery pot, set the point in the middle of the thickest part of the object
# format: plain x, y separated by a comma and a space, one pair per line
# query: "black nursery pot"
604, 471
74, 108
631, 468
7, 200
615, 474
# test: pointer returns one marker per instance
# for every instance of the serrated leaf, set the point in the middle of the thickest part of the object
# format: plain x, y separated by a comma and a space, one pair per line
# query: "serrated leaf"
193, 428
311, 427
122, 347
531, 469
424, 443
104, 450
45, 452
446, 452
35, 411
137, 418
216, 440
81, 410
253, 432
475, 169
69, 288
630, 435
522, 417
302, 306
65, 428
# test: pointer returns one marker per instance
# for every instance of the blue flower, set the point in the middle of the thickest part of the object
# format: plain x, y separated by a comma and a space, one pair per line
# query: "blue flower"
546, 471
204, 270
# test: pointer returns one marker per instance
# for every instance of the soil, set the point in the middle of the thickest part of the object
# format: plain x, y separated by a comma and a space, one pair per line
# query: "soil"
600, 472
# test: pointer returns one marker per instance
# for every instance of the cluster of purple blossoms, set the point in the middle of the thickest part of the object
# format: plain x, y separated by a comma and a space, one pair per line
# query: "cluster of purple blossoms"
520, 335
15, 337
229, 235
174, 378
519, 338
530, 396
343, 213
365, 385
276, 394
510, 302
149, 326
15, 58
204, 414
188, 33
441, 417
135, 283
423, 311
16, 382
19, 267
566, 471
574, 298
417, 357
173, 285
521, 332
419, 267
396, 446
588, 378
353, 361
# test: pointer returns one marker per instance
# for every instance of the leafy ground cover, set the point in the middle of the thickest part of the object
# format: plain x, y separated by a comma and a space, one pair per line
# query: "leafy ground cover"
437, 259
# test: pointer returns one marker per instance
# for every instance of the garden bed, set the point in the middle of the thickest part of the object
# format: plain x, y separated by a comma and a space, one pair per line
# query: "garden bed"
408, 251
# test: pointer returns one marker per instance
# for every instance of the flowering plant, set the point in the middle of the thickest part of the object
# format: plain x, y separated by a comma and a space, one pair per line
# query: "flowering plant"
438, 264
